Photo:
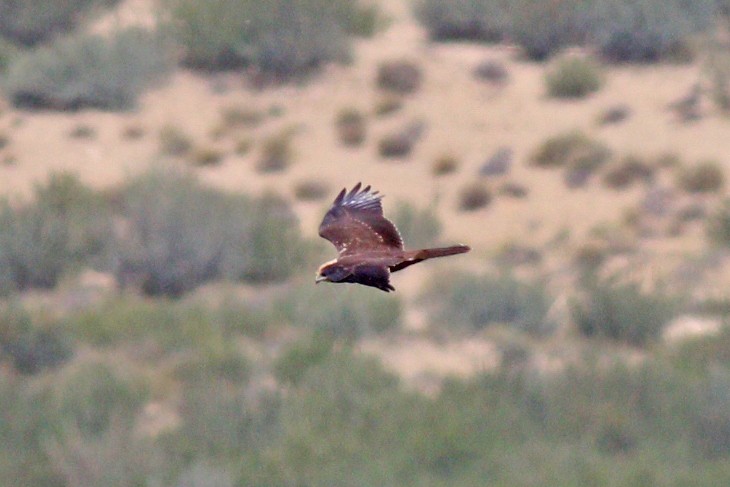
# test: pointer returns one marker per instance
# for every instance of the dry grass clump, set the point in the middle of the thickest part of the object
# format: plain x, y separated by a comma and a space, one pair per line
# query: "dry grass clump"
513, 190
387, 104
243, 146
241, 116
400, 76
174, 141
573, 77
473, 197
351, 129
705, 177
444, 164
133, 132
614, 115
206, 156
310, 190
628, 171
82, 131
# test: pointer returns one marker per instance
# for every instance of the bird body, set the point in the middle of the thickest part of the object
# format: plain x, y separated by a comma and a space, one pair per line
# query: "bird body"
369, 245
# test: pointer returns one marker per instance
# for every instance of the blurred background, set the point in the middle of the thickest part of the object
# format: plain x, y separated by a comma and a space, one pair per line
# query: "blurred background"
164, 166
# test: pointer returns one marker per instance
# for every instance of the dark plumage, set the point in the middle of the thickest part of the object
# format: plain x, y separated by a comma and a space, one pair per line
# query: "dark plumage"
369, 245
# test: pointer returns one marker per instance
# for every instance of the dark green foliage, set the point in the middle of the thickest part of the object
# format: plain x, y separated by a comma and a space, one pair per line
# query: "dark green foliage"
294, 363
65, 226
573, 77
88, 71
31, 22
278, 36
481, 301
623, 311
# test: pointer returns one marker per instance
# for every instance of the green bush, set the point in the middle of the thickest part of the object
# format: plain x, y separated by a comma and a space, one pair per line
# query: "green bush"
66, 225
180, 234
718, 225
649, 30
342, 310
399, 76
623, 311
88, 71
31, 22
419, 228
573, 77
481, 301
474, 196
89, 394
578, 153
279, 36
482, 20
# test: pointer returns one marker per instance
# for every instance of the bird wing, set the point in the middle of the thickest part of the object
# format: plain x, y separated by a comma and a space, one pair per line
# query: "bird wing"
355, 223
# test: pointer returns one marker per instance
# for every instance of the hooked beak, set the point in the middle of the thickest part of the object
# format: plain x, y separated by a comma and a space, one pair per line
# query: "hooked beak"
319, 279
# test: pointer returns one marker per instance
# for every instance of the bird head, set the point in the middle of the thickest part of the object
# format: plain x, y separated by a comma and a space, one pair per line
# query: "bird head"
331, 272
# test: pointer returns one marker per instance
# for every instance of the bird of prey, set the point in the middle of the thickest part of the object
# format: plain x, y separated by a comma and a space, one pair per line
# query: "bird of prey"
369, 245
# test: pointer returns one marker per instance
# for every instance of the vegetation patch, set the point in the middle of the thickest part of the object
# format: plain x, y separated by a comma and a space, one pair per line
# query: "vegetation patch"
573, 77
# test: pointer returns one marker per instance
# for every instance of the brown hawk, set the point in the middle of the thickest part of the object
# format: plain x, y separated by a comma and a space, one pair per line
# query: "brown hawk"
369, 245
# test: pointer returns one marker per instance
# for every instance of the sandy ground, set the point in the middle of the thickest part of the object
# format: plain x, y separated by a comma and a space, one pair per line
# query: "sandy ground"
465, 117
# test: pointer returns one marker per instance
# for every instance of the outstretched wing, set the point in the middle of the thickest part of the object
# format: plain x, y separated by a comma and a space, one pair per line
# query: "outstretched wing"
355, 223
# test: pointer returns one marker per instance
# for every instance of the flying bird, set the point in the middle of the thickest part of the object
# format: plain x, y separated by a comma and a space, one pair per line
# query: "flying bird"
369, 245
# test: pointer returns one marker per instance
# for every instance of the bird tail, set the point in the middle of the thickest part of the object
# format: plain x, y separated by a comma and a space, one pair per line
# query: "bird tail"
442, 252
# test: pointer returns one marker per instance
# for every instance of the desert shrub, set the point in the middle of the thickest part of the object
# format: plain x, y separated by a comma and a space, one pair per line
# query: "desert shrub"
174, 142
444, 164
491, 71
474, 196
718, 225
286, 38
8, 52
179, 234
396, 145
628, 171
622, 311
66, 224
419, 228
243, 146
294, 362
578, 153
648, 30
704, 177
276, 153
311, 190
350, 124
133, 132
573, 77
4, 140
88, 71
34, 21
480, 301
342, 310
399, 76
32, 347
89, 394
82, 131
542, 29
481, 20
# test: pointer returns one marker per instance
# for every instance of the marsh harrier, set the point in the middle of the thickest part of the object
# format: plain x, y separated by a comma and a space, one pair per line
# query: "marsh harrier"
369, 245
